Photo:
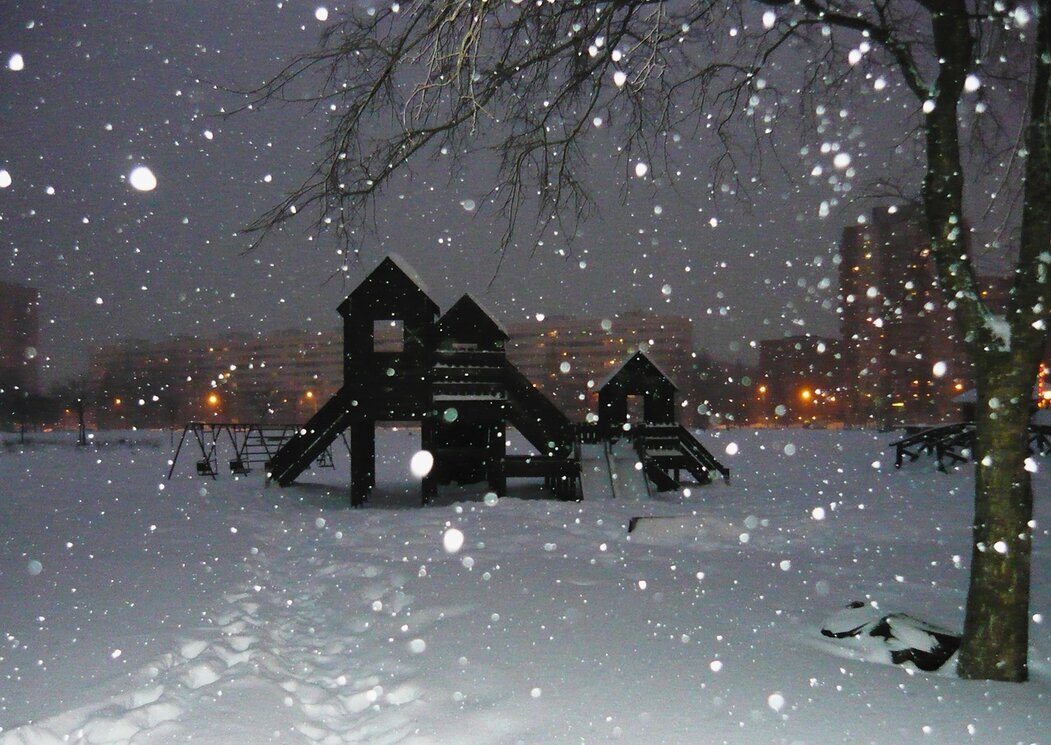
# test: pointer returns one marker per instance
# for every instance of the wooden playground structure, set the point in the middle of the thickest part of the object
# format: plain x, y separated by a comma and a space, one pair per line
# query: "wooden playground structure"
450, 375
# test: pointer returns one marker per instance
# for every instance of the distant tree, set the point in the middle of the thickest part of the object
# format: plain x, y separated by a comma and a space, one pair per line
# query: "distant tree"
527, 81
78, 396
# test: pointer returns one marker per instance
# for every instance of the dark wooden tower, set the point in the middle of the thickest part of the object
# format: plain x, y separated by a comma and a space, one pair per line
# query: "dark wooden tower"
388, 384
391, 385
637, 376
467, 433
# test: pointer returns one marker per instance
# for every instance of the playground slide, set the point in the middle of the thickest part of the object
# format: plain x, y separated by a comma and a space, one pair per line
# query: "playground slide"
535, 416
612, 473
305, 446
629, 482
596, 481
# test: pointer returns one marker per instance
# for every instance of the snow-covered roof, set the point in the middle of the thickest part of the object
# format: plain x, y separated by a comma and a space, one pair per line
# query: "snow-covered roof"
391, 265
492, 317
624, 363
409, 271
468, 304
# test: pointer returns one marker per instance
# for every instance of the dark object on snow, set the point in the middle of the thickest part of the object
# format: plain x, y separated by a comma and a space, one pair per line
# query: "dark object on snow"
908, 639
953, 444
950, 442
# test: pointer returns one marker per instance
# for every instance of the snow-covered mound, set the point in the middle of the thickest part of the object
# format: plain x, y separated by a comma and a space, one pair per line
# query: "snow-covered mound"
898, 637
136, 610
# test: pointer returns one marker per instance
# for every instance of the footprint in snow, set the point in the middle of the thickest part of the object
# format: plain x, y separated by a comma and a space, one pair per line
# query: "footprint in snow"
249, 609
236, 628
230, 657
191, 649
241, 643
150, 695
152, 715
403, 694
314, 732
199, 676
107, 730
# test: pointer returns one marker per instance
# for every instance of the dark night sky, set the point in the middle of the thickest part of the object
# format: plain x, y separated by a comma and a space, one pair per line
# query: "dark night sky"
110, 84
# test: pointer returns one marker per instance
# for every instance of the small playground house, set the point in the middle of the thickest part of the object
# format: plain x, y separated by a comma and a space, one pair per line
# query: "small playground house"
450, 373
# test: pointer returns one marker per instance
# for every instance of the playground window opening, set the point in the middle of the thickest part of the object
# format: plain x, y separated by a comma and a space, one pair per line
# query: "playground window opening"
635, 408
388, 336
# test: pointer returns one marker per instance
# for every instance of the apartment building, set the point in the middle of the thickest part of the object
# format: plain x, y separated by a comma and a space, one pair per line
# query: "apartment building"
903, 361
277, 377
19, 336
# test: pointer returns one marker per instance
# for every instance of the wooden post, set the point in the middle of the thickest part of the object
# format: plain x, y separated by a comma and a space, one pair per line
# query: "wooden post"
428, 440
362, 461
496, 458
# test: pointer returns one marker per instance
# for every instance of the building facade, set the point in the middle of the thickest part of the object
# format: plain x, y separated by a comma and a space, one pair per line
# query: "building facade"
276, 378
903, 361
283, 377
19, 338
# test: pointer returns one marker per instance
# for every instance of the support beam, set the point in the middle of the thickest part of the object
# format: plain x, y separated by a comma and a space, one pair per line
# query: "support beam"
362, 461
428, 442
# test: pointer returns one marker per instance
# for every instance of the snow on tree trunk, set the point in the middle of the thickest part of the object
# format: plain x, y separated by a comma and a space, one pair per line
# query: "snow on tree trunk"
996, 628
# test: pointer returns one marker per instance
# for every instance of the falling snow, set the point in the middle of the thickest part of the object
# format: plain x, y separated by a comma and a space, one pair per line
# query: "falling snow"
137, 611
379, 612
141, 178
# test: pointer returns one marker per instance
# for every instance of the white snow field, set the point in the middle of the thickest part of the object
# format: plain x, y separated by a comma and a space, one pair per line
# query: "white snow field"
135, 610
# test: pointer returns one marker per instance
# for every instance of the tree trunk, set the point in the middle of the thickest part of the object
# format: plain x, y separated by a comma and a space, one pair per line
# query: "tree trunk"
996, 628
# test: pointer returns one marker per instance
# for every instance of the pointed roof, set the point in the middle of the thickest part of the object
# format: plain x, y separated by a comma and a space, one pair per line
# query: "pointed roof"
468, 321
392, 278
637, 363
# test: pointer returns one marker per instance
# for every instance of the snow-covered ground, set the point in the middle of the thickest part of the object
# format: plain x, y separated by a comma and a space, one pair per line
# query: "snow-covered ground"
138, 610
